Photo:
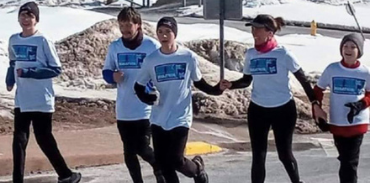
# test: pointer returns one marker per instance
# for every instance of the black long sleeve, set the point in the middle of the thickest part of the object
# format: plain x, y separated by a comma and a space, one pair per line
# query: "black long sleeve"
207, 88
302, 78
243, 82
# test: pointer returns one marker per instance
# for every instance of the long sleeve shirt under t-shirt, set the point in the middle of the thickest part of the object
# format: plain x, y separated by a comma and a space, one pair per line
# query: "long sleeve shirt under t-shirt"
39, 61
172, 75
346, 85
270, 75
120, 58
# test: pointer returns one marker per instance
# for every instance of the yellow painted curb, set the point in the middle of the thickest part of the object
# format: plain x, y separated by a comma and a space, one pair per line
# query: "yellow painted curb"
196, 148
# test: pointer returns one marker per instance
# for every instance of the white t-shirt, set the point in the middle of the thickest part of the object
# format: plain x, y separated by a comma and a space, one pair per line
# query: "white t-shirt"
270, 73
172, 75
128, 106
346, 85
36, 51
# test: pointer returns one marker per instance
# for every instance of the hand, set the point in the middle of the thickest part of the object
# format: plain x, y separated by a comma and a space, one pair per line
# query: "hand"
318, 113
9, 88
150, 99
355, 109
323, 125
225, 84
19, 72
118, 76
320, 118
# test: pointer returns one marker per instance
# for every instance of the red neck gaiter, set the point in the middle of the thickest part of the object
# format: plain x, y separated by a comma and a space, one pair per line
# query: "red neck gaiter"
266, 47
357, 64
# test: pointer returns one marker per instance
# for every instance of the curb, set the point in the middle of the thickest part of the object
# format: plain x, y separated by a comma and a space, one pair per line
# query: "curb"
39, 163
198, 148
303, 24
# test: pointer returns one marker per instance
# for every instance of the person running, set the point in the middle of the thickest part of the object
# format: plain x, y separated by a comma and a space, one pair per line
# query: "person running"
272, 105
33, 63
122, 65
172, 70
349, 83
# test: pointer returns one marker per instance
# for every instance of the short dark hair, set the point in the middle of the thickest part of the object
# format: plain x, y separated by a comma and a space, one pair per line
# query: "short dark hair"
268, 22
129, 14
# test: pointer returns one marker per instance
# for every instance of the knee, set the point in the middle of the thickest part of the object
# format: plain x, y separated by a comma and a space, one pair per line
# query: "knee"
178, 162
129, 153
259, 155
286, 157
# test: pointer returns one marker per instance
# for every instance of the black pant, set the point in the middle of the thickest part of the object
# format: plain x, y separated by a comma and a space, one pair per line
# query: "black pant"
349, 154
169, 149
282, 120
135, 136
42, 125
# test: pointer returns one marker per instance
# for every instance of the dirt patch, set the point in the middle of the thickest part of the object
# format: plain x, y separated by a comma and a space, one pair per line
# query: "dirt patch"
83, 54
210, 50
74, 114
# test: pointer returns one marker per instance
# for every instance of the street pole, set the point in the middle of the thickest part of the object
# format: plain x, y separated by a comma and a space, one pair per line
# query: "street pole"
222, 54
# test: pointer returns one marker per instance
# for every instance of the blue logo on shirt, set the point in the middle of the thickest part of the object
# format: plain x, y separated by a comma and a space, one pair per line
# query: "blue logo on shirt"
261, 66
168, 72
25, 53
348, 86
130, 60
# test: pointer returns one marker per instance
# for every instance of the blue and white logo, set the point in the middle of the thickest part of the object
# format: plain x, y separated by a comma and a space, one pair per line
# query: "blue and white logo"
25, 53
348, 86
262, 66
168, 72
130, 60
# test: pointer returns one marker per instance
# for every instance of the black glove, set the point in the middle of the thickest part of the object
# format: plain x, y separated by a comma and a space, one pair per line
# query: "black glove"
323, 125
355, 109
149, 99
196, 106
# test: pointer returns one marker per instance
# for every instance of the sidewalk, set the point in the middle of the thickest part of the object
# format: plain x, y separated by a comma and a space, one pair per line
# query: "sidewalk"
81, 149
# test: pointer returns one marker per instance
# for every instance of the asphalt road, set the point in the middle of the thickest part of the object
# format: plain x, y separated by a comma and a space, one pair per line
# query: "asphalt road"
317, 165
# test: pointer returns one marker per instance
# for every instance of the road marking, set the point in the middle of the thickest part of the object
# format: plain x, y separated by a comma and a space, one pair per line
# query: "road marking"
328, 146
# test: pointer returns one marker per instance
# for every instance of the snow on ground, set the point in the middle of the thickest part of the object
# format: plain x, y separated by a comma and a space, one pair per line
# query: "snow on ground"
74, 3
57, 23
302, 10
313, 53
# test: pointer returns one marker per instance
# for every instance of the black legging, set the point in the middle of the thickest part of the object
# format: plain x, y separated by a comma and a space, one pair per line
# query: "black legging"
169, 149
135, 136
283, 120
42, 127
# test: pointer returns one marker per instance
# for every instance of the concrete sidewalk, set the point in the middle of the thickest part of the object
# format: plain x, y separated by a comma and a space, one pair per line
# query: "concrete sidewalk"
83, 148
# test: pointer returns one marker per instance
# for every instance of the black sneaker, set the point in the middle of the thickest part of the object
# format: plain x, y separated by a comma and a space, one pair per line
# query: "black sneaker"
202, 176
74, 178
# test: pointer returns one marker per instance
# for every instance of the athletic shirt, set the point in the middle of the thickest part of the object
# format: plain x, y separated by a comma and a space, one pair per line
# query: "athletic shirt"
270, 75
172, 75
128, 106
346, 85
36, 51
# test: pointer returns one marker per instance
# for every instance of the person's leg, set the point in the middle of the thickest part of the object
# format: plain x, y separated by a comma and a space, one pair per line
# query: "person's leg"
349, 154
258, 127
162, 144
185, 166
144, 150
283, 125
191, 168
21, 135
42, 125
128, 131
